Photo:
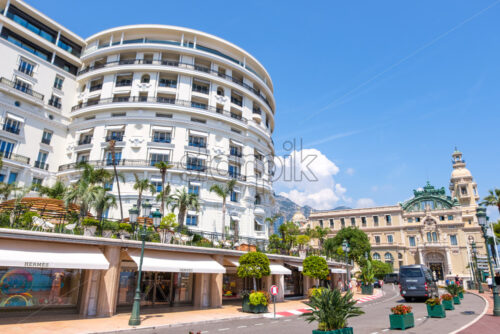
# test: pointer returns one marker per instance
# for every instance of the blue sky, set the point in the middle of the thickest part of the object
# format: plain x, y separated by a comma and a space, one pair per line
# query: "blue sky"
383, 89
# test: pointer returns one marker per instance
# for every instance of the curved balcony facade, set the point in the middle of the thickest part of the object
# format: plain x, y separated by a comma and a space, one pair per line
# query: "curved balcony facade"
172, 94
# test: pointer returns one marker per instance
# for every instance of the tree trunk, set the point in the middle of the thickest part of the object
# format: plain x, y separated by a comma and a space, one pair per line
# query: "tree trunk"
139, 201
180, 218
223, 219
118, 188
162, 194
254, 284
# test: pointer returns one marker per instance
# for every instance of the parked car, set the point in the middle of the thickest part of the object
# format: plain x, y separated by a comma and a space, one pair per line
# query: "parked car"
416, 281
391, 278
377, 284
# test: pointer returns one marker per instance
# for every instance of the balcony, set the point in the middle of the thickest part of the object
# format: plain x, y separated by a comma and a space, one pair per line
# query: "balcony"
12, 129
235, 152
46, 141
42, 165
198, 168
85, 141
95, 87
123, 83
15, 157
55, 104
197, 144
236, 101
200, 89
171, 63
115, 138
21, 88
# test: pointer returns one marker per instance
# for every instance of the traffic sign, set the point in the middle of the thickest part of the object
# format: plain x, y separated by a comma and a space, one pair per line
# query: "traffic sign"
274, 290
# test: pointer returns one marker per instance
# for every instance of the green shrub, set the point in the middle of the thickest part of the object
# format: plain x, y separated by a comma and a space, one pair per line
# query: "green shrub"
258, 298
110, 225
315, 267
126, 227
314, 292
27, 218
254, 265
4, 220
90, 222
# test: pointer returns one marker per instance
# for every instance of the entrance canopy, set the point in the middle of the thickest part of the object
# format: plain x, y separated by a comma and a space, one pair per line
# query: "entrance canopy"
36, 254
176, 262
276, 269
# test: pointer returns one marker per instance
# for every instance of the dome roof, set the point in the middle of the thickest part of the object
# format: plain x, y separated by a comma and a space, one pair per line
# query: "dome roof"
460, 172
298, 217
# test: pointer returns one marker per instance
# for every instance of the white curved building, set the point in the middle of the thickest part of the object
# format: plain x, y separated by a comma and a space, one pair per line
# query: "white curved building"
165, 94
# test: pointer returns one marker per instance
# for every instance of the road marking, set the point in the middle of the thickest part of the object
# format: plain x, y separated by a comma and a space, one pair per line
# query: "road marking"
374, 333
419, 319
385, 330
223, 329
242, 326
203, 332
287, 320
259, 324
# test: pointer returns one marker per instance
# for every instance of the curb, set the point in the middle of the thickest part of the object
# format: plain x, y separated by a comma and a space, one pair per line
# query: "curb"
477, 318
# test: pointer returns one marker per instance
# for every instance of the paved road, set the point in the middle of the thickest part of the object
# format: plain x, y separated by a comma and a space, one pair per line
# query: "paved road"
375, 320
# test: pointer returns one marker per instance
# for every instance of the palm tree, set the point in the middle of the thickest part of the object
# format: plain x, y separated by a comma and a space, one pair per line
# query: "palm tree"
6, 189
163, 166
57, 190
82, 194
102, 201
493, 199
142, 185
272, 220
183, 201
223, 192
321, 233
111, 147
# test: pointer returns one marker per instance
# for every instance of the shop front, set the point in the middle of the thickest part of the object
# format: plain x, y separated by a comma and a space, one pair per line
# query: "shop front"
44, 276
294, 285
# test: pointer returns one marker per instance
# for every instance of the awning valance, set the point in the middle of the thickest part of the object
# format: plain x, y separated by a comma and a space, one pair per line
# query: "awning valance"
79, 132
278, 269
176, 262
35, 254
338, 271
162, 128
198, 133
115, 127
15, 117
236, 143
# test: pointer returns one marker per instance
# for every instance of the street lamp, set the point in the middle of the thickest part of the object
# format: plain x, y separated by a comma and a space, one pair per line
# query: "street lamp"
146, 209
156, 218
135, 317
346, 249
483, 222
478, 278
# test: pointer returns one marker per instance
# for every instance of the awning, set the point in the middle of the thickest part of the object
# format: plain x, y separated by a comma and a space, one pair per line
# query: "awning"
259, 222
235, 218
338, 271
198, 133
194, 183
162, 128
115, 127
197, 156
236, 143
278, 269
15, 117
35, 254
176, 262
79, 132
299, 268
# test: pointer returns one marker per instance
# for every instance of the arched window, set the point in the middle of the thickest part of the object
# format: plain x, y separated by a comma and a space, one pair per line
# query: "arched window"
145, 78
388, 257
400, 256
220, 91
376, 256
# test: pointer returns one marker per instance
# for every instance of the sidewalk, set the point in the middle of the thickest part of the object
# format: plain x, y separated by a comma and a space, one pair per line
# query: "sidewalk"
487, 324
71, 323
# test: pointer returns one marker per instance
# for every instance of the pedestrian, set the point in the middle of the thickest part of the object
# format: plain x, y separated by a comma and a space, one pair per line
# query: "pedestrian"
447, 282
340, 285
457, 280
497, 278
489, 281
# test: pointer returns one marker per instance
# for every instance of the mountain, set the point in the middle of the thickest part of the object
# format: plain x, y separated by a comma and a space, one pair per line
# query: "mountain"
288, 207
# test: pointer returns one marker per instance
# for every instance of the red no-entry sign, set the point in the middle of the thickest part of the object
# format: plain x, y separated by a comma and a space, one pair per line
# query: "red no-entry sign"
274, 290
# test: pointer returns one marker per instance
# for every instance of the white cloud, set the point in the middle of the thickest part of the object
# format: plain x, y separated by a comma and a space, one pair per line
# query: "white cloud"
349, 171
306, 177
365, 203
492, 213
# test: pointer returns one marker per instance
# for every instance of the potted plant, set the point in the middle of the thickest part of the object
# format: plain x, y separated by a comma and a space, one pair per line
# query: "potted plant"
331, 310
316, 267
454, 289
125, 230
434, 308
89, 226
108, 227
461, 292
447, 300
367, 277
255, 302
314, 292
167, 228
401, 317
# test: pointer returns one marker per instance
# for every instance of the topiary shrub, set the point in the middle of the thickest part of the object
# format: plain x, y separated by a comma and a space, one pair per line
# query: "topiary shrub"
315, 267
259, 298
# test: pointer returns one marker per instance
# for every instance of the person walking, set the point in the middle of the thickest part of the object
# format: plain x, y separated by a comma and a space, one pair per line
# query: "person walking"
489, 281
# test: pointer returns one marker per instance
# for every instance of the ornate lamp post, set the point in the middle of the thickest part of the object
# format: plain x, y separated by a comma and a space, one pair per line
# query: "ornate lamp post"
478, 279
346, 249
146, 208
157, 218
135, 317
483, 222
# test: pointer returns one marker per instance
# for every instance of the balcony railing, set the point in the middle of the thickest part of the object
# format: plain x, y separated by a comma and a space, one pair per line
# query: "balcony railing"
161, 100
42, 165
46, 141
257, 111
147, 163
21, 88
12, 129
95, 87
180, 65
15, 157
115, 138
55, 103
123, 83
200, 89
85, 141
236, 101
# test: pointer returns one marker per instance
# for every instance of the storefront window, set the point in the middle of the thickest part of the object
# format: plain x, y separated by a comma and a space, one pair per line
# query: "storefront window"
34, 288
232, 285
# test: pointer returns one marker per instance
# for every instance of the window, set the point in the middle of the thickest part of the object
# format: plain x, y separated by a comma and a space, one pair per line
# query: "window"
198, 120
12, 126
463, 190
119, 114
108, 186
194, 163
46, 137
441, 218
200, 87
258, 200
235, 150
157, 185
376, 256
234, 171
450, 217
375, 221
145, 78
41, 161
26, 67
6, 148
331, 223
172, 83
353, 221
377, 239
115, 135
434, 237
453, 240
220, 91
58, 82
388, 258
157, 157
342, 222
258, 226
36, 183
2, 177
429, 237
417, 219
410, 220
192, 220
196, 141
82, 157
194, 188
12, 178
163, 115
390, 239
23, 86
388, 219
321, 223
236, 99
162, 137
55, 101
85, 139
234, 196
412, 241
363, 221
109, 158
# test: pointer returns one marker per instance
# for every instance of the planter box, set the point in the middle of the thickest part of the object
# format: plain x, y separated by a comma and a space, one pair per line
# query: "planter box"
345, 330
448, 304
107, 233
89, 231
461, 295
456, 300
249, 308
367, 289
403, 321
436, 311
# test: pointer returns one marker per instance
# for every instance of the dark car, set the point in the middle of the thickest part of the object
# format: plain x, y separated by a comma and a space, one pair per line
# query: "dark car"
416, 281
391, 278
